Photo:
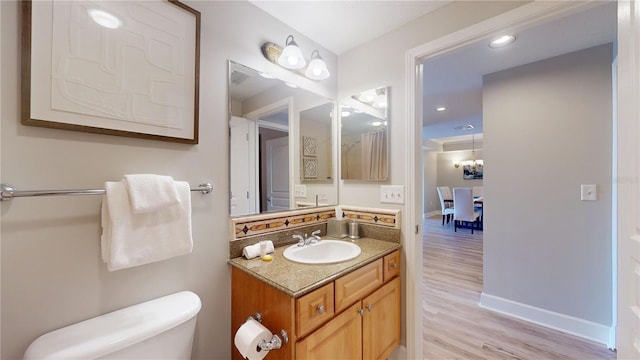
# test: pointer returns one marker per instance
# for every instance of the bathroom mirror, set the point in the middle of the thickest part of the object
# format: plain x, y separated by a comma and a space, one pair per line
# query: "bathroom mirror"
364, 143
282, 148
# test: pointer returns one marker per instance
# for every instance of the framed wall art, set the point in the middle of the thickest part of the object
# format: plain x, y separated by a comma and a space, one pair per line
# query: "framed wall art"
127, 68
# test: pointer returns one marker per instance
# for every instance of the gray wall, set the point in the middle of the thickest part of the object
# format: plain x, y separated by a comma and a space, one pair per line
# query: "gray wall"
430, 201
548, 129
52, 275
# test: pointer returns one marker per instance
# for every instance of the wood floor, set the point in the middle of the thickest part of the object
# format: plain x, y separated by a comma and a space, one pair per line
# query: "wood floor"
455, 327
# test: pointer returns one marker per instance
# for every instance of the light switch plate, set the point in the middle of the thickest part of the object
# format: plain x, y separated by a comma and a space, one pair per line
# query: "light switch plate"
392, 194
300, 190
588, 192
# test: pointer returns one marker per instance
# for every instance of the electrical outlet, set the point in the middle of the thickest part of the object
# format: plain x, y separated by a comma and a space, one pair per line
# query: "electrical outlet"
392, 194
300, 191
588, 192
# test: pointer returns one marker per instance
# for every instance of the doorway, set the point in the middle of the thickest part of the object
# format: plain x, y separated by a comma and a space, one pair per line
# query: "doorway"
524, 15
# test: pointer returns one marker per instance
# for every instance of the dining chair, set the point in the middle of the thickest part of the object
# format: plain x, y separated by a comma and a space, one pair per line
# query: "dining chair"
464, 211
446, 202
478, 191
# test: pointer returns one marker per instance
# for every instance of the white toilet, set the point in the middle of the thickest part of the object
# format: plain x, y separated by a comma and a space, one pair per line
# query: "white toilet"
158, 329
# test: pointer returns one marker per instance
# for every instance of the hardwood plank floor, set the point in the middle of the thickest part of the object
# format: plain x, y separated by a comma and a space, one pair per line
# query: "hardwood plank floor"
455, 327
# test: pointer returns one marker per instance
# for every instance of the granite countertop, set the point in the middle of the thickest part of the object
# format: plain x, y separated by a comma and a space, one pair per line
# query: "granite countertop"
298, 279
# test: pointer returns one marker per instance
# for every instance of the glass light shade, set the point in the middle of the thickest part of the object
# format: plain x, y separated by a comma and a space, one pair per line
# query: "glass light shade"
317, 69
291, 56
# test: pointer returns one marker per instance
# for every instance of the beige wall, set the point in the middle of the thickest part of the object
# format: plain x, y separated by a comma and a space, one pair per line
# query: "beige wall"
51, 270
546, 248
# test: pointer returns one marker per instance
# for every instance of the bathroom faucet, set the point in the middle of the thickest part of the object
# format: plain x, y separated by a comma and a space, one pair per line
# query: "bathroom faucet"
315, 237
301, 241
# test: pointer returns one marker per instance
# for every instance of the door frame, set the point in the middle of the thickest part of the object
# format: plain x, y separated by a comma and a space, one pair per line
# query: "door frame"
266, 110
526, 15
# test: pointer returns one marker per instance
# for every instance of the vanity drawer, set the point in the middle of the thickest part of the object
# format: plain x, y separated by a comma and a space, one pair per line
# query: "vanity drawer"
314, 309
391, 265
357, 284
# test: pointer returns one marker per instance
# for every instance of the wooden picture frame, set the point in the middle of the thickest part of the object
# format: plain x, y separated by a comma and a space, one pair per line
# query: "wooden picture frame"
138, 80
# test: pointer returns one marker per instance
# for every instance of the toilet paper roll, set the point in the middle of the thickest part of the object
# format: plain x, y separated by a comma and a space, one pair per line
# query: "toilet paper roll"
249, 336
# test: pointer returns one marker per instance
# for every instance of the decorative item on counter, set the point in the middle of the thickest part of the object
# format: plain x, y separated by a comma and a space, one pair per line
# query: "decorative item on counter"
261, 249
353, 230
337, 228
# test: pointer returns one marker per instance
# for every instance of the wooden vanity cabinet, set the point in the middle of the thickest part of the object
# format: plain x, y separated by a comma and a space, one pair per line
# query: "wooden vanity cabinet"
357, 316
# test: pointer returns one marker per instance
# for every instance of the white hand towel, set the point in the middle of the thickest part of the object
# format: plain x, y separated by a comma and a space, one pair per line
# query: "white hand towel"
252, 251
130, 239
148, 192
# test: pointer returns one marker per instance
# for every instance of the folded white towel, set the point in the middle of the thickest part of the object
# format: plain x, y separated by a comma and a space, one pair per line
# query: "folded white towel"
130, 239
252, 251
148, 192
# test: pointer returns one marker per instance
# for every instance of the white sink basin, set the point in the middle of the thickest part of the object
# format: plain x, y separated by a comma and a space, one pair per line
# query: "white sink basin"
323, 252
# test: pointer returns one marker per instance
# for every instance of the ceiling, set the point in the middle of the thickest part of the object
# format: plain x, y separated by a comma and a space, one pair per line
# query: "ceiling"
453, 79
342, 25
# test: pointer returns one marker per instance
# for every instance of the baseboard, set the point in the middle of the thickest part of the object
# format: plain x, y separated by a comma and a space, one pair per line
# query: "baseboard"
561, 322
431, 213
399, 353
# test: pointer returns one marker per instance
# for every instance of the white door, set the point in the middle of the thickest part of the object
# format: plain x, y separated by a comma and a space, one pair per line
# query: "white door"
277, 181
243, 191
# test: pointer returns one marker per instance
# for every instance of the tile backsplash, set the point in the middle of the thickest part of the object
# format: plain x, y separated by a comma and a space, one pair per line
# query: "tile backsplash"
280, 227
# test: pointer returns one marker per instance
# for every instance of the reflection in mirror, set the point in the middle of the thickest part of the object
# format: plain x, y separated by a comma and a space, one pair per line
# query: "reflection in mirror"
269, 121
364, 143
315, 142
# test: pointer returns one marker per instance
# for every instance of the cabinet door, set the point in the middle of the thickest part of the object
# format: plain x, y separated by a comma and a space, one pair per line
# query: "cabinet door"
314, 309
381, 321
340, 338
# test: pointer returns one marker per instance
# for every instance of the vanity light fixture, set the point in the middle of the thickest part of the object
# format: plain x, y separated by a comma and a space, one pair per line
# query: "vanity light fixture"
317, 69
291, 56
502, 41
380, 102
104, 18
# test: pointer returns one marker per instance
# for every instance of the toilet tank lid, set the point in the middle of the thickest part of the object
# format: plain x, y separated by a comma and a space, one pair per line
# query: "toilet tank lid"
116, 330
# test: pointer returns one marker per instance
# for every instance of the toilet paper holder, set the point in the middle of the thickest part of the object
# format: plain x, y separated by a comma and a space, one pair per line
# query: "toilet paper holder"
276, 342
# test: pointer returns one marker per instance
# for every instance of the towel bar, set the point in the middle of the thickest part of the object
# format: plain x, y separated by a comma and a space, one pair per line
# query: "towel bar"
8, 192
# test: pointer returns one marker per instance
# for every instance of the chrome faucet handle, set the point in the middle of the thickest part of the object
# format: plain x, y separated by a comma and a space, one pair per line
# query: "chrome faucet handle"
315, 237
301, 241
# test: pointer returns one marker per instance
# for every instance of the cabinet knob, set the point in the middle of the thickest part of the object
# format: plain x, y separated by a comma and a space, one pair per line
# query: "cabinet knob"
369, 307
320, 309
394, 265
361, 312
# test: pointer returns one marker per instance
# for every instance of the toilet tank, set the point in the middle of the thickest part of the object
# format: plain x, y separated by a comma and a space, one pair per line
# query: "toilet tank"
158, 329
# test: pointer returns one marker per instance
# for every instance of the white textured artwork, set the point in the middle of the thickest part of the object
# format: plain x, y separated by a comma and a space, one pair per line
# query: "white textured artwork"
139, 77
310, 168
309, 146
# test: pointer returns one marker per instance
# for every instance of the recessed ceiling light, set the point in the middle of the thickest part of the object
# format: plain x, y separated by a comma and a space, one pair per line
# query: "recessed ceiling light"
501, 41
464, 127
376, 123
441, 109
267, 75
104, 18
291, 85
